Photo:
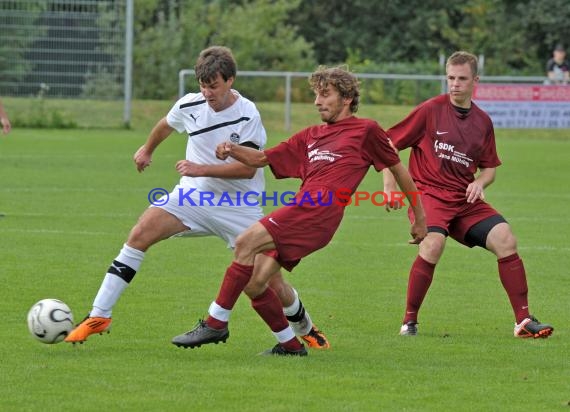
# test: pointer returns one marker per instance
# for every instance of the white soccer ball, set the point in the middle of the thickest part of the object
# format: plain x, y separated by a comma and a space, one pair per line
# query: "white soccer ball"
50, 320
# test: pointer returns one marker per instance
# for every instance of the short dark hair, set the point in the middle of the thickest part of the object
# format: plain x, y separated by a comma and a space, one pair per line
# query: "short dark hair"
341, 79
463, 57
214, 60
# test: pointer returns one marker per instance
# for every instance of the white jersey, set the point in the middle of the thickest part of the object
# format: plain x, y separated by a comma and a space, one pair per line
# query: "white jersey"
206, 128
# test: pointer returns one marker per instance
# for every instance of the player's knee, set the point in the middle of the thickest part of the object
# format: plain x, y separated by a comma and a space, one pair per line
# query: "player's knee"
241, 242
431, 249
510, 240
146, 233
283, 290
504, 243
243, 251
501, 240
254, 288
137, 238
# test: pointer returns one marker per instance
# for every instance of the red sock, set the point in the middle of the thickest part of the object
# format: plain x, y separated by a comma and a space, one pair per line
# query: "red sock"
513, 278
235, 279
421, 275
292, 345
268, 306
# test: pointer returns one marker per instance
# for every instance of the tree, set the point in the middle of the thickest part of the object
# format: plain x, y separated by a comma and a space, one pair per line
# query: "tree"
256, 30
516, 36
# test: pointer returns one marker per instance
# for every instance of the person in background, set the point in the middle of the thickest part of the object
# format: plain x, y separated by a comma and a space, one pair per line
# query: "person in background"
557, 67
4, 120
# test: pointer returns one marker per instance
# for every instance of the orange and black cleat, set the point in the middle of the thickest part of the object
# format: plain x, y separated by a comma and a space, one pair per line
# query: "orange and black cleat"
316, 339
88, 327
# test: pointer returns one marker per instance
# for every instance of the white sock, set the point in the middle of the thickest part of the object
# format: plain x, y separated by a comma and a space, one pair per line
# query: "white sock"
131, 257
217, 312
285, 335
110, 290
294, 308
300, 327
113, 285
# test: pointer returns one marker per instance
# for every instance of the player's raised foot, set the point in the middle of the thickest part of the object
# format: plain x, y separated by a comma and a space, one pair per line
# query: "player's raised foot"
200, 335
532, 328
316, 339
279, 350
409, 329
88, 327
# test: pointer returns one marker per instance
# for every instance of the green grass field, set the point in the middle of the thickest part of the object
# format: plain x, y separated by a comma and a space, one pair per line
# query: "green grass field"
69, 197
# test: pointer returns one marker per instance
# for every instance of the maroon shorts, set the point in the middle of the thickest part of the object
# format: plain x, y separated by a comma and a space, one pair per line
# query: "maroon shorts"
452, 214
299, 230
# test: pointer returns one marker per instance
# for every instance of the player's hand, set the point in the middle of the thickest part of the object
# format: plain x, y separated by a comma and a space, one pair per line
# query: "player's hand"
142, 159
474, 192
6, 126
391, 204
188, 168
418, 232
223, 150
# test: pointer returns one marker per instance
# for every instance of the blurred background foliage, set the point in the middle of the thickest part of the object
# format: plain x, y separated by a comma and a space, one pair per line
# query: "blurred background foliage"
396, 36
516, 37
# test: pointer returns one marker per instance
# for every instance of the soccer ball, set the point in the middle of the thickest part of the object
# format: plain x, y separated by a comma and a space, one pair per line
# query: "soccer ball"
50, 320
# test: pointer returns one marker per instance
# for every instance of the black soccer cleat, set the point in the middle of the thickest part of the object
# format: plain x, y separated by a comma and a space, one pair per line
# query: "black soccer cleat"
279, 350
532, 328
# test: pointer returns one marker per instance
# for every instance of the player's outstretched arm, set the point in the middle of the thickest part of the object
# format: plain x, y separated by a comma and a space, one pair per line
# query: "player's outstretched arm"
233, 170
143, 156
247, 155
404, 180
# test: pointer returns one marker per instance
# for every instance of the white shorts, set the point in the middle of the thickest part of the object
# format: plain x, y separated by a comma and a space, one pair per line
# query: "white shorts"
203, 219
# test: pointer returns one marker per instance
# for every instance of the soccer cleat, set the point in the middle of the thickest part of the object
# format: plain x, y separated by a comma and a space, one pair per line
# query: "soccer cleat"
88, 327
532, 328
409, 329
200, 335
316, 339
279, 350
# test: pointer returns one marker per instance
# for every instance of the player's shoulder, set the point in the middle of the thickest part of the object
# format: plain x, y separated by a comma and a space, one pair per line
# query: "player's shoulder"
371, 124
190, 100
440, 99
360, 121
481, 114
431, 106
366, 127
246, 105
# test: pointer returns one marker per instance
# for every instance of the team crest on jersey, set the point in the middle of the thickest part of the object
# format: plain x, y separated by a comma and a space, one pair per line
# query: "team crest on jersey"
234, 138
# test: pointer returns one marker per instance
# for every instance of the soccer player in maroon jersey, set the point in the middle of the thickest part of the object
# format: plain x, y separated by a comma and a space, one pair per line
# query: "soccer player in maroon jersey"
328, 158
450, 139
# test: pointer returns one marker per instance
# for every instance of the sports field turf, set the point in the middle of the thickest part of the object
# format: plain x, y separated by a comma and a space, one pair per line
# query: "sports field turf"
69, 197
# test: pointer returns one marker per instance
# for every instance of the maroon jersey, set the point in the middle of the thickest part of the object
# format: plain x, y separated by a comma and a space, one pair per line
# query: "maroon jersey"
334, 156
447, 146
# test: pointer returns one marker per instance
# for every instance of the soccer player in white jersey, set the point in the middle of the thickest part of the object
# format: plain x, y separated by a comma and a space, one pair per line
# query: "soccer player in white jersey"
208, 199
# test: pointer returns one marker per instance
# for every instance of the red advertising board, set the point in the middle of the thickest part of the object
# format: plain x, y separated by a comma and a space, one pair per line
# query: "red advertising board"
525, 105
